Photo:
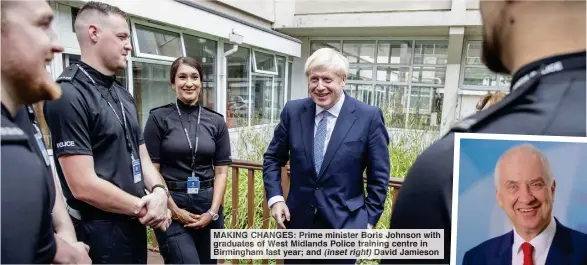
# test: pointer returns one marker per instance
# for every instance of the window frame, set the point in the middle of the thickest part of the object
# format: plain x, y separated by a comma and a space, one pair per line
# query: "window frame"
137, 47
464, 66
408, 83
254, 60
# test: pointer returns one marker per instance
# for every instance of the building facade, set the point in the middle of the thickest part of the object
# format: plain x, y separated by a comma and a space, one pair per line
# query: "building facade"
419, 61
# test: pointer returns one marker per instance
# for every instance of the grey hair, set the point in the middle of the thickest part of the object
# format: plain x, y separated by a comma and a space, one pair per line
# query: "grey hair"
329, 59
529, 149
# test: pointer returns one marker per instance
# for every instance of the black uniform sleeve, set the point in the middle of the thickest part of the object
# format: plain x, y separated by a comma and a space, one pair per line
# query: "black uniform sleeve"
47, 246
152, 138
222, 157
425, 198
27, 228
68, 121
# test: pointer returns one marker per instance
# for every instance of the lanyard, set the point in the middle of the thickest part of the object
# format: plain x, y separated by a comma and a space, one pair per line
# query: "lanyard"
123, 121
193, 150
555, 67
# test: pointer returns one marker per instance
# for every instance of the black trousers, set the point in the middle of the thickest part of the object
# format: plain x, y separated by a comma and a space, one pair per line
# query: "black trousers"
319, 223
114, 241
179, 245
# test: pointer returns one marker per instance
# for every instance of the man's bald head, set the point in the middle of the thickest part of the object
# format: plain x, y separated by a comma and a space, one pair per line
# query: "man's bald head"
521, 154
103, 34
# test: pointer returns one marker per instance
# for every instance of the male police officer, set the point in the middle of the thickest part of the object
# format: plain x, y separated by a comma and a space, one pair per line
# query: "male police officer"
26, 119
103, 163
28, 44
542, 43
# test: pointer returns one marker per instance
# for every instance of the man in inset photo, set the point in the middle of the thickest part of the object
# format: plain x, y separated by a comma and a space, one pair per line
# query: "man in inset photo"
525, 190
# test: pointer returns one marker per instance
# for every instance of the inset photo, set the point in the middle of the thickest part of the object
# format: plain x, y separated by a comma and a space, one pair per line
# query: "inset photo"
519, 199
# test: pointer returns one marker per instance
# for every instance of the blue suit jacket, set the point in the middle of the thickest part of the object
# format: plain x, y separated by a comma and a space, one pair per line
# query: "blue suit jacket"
569, 247
359, 141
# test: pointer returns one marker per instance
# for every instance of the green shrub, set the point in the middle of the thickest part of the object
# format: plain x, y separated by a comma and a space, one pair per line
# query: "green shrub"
251, 144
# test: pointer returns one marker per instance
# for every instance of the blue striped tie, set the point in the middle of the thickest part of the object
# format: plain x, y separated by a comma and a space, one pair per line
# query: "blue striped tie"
319, 141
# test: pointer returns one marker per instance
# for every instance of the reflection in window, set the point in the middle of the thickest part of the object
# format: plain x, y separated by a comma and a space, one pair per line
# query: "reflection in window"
431, 52
151, 88
394, 52
237, 83
428, 75
261, 99
264, 62
204, 51
359, 51
279, 86
393, 74
476, 75
316, 45
158, 42
399, 76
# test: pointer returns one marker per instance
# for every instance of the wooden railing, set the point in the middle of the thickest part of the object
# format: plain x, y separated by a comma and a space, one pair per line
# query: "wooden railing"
251, 168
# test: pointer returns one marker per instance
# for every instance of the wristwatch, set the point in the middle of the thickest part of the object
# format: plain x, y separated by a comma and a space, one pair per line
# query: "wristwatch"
213, 214
161, 186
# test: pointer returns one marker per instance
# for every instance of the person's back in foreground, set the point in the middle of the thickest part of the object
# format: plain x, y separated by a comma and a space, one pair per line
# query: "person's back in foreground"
522, 39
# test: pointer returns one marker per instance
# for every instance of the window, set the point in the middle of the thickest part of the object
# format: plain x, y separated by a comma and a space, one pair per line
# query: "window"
156, 43
264, 63
402, 77
474, 73
151, 88
237, 84
204, 51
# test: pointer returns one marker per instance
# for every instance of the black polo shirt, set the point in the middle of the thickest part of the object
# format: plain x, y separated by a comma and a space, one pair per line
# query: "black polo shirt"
27, 227
553, 104
168, 145
26, 119
82, 122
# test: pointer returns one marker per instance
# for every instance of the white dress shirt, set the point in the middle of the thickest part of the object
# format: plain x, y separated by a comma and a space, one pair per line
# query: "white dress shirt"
541, 244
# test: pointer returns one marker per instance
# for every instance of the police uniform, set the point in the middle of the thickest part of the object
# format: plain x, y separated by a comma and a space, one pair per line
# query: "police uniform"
96, 116
188, 141
27, 227
547, 98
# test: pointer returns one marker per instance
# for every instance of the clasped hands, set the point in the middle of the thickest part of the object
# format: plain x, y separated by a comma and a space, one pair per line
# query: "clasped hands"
190, 220
152, 210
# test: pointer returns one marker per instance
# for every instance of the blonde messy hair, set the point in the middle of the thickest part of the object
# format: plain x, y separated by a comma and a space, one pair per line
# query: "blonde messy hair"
327, 58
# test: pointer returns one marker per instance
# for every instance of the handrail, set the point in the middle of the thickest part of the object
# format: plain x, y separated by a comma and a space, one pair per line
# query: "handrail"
250, 167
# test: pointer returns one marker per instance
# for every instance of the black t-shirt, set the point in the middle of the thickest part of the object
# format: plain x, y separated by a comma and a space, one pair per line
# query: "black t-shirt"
168, 145
27, 227
553, 105
25, 119
83, 123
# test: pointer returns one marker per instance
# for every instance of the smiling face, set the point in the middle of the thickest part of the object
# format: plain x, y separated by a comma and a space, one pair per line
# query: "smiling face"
28, 46
525, 191
187, 84
325, 87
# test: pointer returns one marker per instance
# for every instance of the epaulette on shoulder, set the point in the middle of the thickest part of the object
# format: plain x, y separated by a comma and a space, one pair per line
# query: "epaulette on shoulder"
11, 133
210, 110
68, 74
160, 107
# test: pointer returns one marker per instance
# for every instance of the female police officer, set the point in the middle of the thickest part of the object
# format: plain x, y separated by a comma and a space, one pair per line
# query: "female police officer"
189, 144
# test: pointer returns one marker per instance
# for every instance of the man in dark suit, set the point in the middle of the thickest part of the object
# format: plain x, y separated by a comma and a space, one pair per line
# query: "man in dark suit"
525, 191
330, 140
542, 45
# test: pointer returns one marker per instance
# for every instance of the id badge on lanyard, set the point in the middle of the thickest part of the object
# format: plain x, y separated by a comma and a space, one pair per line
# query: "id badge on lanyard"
136, 169
193, 184
41, 144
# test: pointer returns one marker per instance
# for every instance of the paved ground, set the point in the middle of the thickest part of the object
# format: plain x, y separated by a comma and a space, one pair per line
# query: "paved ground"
153, 257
